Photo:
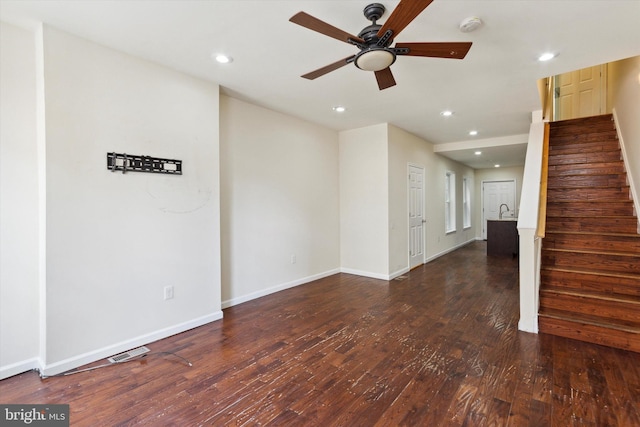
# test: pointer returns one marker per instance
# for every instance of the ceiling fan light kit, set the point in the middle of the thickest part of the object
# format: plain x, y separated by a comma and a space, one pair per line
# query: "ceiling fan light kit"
374, 59
374, 41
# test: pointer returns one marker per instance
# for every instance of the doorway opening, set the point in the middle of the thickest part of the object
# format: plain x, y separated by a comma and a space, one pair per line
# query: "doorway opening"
496, 194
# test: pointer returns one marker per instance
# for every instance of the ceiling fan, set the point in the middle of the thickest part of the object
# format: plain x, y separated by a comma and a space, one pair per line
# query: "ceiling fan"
374, 41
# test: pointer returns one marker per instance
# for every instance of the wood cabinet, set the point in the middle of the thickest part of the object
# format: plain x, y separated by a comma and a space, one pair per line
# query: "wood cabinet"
502, 238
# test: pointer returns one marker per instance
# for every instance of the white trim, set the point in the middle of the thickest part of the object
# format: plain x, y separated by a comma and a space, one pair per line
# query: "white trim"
365, 273
41, 144
424, 228
530, 245
386, 277
450, 213
92, 356
401, 271
239, 300
625, 159
466, 191
20, 367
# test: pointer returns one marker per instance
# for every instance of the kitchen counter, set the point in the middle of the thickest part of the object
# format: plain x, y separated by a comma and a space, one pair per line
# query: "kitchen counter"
502, 237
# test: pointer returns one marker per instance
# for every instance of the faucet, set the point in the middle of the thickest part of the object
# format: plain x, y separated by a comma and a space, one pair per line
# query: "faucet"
500, 214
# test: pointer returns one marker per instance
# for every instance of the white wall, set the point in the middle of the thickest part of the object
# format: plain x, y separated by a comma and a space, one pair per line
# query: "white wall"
113, 241
280, 199
364, 198
625, 97
494, 174
19, 291
374, 200
404, 149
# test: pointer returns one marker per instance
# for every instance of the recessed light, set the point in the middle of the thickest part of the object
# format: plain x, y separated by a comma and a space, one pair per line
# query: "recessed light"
477, 153
223, 59
446, 113
496, 166
473, 132
339, 109
546, 56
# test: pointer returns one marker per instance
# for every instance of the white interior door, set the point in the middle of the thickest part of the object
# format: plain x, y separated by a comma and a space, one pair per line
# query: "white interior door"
494, 194
580, 93
416, 216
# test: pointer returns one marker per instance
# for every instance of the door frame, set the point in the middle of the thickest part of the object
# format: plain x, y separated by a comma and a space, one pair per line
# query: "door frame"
483, 231
424, 226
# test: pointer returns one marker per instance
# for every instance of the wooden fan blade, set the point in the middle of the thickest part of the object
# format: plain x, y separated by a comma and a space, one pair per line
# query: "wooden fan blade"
456, 50
402, 15
385, 78
313, 23
327, 68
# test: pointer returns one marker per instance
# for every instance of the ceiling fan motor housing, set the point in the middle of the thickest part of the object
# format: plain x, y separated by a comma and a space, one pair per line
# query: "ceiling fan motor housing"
374, 56
374, 11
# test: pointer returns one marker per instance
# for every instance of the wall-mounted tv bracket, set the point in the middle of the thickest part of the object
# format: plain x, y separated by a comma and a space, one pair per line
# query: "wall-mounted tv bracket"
132, 163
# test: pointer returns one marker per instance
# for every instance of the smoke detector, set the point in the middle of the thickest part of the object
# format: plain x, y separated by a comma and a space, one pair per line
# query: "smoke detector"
470, 24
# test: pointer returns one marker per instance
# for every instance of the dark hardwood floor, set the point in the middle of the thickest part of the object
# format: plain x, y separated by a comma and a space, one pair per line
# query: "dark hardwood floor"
439, 347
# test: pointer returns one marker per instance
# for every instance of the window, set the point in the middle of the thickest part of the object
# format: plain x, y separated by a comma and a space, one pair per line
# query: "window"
450, 202
466, 203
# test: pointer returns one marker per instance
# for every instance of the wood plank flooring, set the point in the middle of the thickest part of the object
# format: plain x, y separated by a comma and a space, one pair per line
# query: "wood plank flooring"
439, 347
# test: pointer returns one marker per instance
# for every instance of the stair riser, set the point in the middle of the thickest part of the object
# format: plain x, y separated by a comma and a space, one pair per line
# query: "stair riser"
573, 209
611, 168
590, 333
583, 147
593, 225
587, 181
621, 312
624, 244
573, 136
586, 194
588, 125
595, 262
585, 124
590, 282
570, 159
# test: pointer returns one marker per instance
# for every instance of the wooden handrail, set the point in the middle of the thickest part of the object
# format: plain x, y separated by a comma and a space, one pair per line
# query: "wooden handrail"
547, 97
544, 177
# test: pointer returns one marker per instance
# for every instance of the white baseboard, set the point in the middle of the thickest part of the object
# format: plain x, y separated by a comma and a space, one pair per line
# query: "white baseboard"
438, 255
261, 293
20, 367
92, 356
364, 273
406, 269
398, 273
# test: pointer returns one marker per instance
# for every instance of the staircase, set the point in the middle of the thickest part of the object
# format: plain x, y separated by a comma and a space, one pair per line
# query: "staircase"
590, 271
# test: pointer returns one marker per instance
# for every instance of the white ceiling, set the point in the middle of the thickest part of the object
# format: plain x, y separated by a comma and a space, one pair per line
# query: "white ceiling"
493, 90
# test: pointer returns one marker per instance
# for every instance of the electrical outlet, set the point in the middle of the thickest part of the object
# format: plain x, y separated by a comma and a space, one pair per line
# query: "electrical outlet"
168, 292
293, 259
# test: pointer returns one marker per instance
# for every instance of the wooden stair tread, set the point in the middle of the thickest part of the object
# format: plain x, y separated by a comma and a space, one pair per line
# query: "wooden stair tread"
589, 320
626, 217
606, 296
597, 201
591, 252
553, 186
591, 233
592, 272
